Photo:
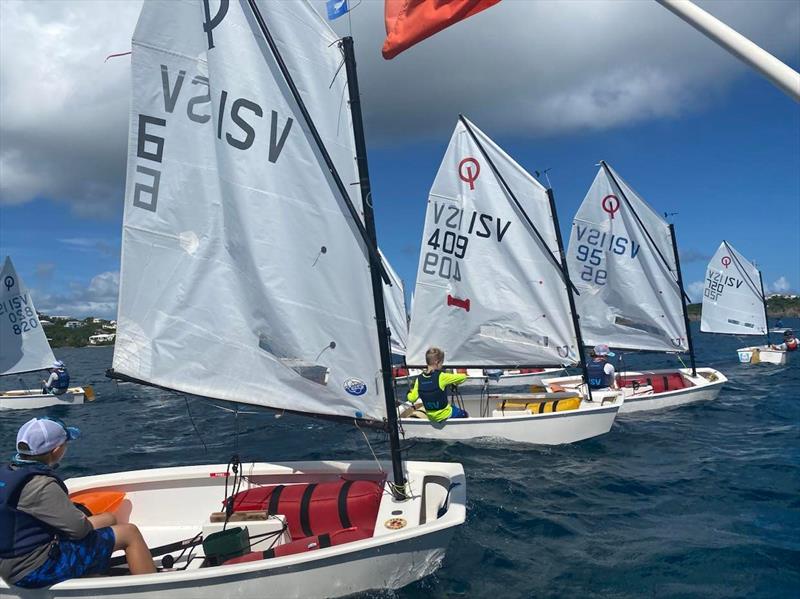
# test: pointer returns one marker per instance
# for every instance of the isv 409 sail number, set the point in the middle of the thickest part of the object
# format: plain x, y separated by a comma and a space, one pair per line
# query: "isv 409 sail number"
448, 243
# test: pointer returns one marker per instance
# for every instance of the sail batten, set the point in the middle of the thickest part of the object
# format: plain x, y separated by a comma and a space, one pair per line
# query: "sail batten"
23, 343
245, 270
621, 260
732, 304
490, 290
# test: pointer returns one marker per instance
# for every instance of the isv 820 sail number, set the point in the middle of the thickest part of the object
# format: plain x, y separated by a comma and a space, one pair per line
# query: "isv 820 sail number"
21, 317
453, 247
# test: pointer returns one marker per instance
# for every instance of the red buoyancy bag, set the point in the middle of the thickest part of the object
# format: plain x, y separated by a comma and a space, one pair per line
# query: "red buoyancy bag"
660, 382
317, 508
346, 535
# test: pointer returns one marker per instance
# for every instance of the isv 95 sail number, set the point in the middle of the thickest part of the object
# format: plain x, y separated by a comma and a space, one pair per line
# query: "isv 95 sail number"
448, 248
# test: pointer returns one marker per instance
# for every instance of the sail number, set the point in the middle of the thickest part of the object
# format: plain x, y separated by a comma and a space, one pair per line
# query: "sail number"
592, 259
22, 319
445, 266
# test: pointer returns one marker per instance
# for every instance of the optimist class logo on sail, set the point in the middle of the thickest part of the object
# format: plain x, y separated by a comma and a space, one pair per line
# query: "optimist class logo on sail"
241, 123
594, 245
449, 242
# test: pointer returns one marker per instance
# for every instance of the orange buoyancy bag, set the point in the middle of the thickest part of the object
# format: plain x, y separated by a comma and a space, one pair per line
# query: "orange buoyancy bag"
338, 537
317, 508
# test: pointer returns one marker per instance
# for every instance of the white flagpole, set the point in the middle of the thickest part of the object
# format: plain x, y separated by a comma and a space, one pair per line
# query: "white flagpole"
786, 78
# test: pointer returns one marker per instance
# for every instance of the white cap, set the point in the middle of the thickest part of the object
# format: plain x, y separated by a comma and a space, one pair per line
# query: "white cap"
43, 435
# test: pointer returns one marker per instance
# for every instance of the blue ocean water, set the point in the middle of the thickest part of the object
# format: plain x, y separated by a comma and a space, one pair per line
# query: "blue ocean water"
698, 501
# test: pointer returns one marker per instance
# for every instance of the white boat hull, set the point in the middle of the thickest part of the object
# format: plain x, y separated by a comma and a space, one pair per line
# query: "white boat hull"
476, 379
32, 399
761, 354
170, 504
550, 428
703, 387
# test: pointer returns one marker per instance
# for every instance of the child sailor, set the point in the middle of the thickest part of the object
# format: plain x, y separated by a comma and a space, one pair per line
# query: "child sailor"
431, 388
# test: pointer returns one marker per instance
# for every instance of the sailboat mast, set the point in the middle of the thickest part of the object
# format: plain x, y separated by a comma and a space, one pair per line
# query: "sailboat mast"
573, 312
683, 298
764, 302
375, 264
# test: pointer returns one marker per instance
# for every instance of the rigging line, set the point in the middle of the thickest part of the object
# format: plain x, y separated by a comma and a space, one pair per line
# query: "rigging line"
377, 461
740, 268
519, 207
312, 128
643, 228
191, 418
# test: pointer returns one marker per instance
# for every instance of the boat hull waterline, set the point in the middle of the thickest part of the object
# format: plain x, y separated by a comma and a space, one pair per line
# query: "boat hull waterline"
703, 387
549, 428
29, 399
170, 504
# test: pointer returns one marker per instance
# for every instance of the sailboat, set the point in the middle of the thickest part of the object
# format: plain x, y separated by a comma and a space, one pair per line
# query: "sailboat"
24, 347
734, 304
624, 261
250, 274
491, 291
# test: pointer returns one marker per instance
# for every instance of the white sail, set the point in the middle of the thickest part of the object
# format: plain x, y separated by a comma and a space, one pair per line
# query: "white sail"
243, 276
488, 290
732, 297
394, 298
23, 344
621, 259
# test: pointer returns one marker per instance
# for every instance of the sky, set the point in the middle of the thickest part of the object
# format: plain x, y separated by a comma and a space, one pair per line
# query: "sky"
559, 85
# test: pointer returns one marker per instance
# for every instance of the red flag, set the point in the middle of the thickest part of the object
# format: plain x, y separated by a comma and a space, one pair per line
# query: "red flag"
411, 21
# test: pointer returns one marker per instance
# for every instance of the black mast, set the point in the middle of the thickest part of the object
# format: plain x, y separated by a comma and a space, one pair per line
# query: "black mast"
608, 171
764, 301
683, 298
514, 199
565, 272
375, 265
312, 128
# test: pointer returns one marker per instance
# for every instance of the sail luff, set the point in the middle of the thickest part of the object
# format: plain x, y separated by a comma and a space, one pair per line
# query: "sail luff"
742, 271
398, 488
644, 229
510, 193
764, 301
576, 325
317, 139
683, 298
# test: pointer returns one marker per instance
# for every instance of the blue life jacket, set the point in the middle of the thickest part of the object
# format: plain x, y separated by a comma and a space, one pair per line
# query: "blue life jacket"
21, 533
598, 379
62, 384
433, 398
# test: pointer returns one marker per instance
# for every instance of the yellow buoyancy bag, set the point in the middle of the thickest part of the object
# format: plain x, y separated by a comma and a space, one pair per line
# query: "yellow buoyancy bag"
541, 407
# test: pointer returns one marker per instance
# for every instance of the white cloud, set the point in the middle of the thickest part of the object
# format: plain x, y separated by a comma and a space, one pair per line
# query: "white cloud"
98, 298
781, 285
695, 290
532, 68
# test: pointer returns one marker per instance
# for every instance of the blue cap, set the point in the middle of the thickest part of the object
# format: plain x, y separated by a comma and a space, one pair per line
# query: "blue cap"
43, 435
